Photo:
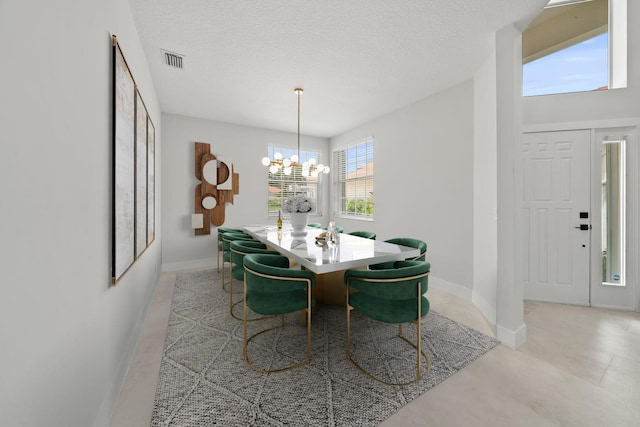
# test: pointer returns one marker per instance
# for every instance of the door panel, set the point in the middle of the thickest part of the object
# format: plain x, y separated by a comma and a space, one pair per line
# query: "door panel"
556, 180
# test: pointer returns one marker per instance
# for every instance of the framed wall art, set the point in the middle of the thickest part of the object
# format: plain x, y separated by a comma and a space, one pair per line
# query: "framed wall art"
123, 171
141, 176
133, 170
151, 182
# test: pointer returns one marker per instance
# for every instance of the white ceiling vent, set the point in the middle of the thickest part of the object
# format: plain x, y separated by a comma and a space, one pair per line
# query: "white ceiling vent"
173, 59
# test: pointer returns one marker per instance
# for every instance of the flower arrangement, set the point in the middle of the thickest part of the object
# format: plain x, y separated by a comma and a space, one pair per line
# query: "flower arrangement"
298, 203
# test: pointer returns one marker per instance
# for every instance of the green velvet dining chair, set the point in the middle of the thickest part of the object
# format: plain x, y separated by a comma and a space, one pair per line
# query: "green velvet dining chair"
394, 296
221, 231
366, 234
227, 238
272, 288
404, 241
239, 249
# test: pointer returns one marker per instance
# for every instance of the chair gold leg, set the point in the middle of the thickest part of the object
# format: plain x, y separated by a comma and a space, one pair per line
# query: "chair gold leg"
232, 305
418, 330
244, 349
286, 368
308, 323
223, 270
349, 308
247, 340
417, 346
420, 354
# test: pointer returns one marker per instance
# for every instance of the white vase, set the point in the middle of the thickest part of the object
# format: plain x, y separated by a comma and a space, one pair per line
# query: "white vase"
299, 222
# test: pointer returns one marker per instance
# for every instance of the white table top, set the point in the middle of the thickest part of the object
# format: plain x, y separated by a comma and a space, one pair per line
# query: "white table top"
350, 252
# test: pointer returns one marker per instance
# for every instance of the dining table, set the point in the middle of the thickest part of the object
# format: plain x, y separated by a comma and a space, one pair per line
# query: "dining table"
326, 259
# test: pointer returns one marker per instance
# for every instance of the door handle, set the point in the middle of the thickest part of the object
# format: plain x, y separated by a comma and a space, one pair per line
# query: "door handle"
584, 227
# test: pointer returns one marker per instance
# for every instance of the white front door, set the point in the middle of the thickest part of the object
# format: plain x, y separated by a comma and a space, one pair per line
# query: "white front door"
556, 216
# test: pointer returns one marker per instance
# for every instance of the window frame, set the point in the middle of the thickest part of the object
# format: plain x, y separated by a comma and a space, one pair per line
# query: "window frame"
364, 158
311, 188
615, 62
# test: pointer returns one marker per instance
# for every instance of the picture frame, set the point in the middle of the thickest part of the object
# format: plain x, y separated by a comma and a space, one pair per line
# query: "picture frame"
151, 181
133, 170
123, 166
141, 175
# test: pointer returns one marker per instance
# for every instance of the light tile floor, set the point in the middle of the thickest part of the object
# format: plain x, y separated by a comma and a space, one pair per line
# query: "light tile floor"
579, 367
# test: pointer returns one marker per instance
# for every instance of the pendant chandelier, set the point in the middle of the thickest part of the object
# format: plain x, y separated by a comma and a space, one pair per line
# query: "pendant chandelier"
288, 165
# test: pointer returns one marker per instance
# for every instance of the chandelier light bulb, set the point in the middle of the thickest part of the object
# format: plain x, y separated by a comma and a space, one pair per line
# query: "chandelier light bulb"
287, 165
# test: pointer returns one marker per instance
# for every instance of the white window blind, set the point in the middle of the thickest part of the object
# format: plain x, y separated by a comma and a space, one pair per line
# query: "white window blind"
353, 166
282, 186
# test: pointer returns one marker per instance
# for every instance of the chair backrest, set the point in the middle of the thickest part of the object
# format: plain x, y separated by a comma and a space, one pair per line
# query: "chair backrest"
222, 230
229, 237
266, 273
397, 283
366, 234
240, 248
412, 243
229, 230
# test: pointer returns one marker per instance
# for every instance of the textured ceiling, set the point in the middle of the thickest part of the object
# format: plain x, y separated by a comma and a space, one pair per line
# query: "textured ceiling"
356, 59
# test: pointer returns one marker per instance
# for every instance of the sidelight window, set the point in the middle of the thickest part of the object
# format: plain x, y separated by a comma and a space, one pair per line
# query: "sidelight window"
613, 213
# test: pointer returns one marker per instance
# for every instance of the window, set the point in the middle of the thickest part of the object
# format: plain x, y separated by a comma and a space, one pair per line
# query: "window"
579, 68
353, 168
282, 186
575, 46
613, 213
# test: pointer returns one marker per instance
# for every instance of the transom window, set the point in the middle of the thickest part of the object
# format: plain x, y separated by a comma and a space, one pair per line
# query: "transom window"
353, 168
575, 46
282, 186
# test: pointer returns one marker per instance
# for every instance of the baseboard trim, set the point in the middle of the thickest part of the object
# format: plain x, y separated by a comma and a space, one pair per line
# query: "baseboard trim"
454, 289
488, 311
613, 307
512, 338
450, 288
103, 417
188, 265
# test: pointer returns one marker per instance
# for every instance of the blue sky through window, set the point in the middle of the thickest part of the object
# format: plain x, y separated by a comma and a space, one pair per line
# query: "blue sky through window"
578, 68
358, 155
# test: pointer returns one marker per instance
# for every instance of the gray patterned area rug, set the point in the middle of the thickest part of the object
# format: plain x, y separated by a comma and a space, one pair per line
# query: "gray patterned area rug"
204, 380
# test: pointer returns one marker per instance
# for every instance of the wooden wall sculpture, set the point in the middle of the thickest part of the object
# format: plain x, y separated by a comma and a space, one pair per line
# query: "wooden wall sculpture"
219, 183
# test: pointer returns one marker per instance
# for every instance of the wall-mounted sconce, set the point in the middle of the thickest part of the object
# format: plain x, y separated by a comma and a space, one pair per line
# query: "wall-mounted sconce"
218, 185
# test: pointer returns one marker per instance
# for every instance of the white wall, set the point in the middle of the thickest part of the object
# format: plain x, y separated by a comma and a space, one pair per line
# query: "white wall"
510, 326
424, 181
245, 147
67, 336
485, 189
